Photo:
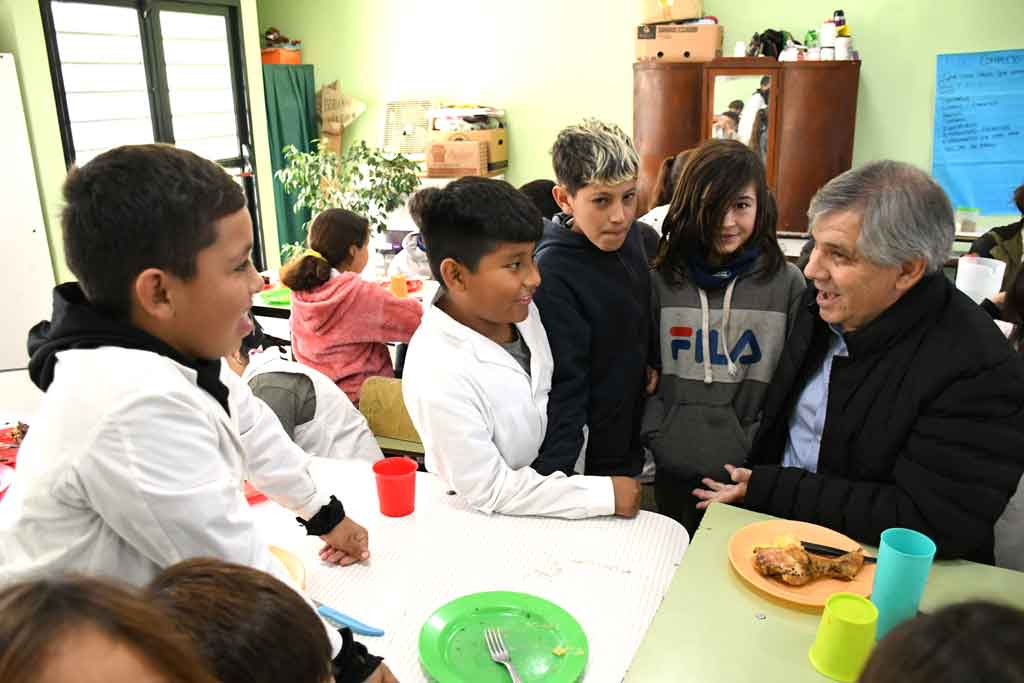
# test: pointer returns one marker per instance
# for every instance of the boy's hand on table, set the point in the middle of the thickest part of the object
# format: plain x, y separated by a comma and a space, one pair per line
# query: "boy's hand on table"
346, 544
382, 675
627, 496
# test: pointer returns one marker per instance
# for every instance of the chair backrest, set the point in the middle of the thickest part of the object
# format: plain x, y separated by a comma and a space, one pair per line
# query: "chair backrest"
382, 405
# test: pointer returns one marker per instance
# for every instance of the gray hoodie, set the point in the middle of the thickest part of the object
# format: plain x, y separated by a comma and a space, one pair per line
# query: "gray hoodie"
708, 405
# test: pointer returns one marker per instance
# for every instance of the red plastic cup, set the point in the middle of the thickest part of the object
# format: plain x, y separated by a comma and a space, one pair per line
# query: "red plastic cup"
396, 486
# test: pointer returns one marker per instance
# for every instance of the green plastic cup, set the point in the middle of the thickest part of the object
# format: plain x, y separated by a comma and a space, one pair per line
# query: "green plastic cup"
845, 636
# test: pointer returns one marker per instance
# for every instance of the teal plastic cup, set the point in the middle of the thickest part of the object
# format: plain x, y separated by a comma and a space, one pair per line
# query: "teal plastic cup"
904, 560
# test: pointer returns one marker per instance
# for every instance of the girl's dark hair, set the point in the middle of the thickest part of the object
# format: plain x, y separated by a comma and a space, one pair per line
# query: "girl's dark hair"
467, 219
137, 207
712, 178
36, 616
665, 182
971, 641
248, 626
1018, 198
332, 233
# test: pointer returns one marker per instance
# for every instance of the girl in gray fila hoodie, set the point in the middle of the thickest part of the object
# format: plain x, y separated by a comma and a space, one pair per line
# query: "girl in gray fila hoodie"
723, 299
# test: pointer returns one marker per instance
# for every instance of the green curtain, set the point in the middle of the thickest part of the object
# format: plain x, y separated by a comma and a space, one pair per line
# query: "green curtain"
291, 119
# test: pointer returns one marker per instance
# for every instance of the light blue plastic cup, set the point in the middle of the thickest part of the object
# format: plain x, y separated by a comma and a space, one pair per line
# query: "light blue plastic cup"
904, 559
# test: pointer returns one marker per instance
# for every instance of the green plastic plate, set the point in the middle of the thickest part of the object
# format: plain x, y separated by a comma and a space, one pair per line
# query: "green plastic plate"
544, 642
279, 296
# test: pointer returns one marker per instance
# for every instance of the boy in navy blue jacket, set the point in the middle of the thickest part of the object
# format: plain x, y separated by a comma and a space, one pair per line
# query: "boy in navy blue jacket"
595, 305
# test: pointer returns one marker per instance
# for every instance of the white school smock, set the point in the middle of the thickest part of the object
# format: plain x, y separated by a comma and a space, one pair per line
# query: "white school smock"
337, 430
482, 419
130, 467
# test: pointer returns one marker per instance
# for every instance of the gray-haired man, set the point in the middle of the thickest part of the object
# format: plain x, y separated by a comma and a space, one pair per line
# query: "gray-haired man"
897, 402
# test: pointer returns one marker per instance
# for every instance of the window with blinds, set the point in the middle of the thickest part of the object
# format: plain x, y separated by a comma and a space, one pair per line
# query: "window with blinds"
195, 50
140, 71
104, 77
160, 74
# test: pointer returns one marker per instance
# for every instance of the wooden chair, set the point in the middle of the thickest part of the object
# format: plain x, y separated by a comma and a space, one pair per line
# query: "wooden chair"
382, 405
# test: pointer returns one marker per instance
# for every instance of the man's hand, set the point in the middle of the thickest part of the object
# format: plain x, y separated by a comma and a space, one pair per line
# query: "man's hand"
346, 544
627, 496
999, 300
724, 493
652, 381
382, 675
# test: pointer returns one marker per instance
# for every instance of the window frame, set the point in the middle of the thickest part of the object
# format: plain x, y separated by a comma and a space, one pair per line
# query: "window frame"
157, 91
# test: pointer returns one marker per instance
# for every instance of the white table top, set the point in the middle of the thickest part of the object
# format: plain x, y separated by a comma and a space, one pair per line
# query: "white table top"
609, 573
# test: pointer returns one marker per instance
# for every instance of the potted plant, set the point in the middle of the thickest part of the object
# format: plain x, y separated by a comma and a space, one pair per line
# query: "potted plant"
364, 180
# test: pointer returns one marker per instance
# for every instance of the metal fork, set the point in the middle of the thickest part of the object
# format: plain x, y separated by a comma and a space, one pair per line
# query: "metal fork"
499, 653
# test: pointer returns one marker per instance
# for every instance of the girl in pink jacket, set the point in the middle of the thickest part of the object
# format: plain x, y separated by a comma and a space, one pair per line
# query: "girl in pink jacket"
339, 321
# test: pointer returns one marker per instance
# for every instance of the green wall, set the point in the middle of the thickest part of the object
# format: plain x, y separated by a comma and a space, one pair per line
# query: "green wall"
898, 42
550, 62
21, 33
546, 62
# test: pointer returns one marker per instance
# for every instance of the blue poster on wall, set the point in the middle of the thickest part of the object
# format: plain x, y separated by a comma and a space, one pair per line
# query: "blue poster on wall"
978, 151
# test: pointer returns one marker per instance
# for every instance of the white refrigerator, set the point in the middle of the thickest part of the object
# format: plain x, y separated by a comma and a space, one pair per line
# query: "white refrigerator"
26, 273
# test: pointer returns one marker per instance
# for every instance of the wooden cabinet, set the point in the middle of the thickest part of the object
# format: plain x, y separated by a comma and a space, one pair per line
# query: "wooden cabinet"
666, 116
811, 119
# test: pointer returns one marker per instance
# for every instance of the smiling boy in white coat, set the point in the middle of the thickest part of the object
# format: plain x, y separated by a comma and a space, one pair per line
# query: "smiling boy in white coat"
137, 456
478, 369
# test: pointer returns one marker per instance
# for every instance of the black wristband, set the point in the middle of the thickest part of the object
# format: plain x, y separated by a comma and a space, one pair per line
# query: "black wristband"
354, 663
324, 521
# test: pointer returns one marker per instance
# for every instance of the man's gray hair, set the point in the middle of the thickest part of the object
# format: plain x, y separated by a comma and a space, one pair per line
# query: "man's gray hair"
905, 215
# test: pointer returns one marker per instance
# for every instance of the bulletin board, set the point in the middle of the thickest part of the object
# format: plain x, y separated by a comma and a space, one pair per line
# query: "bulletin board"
978, 149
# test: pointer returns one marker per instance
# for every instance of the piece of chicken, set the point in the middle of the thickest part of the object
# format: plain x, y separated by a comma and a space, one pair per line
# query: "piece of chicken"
795, 566
790, 565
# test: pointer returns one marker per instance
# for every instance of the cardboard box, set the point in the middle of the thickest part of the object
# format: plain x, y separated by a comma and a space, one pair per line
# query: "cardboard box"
331, 141
679, 42
653, 11
454, 159
496, 139
280, 55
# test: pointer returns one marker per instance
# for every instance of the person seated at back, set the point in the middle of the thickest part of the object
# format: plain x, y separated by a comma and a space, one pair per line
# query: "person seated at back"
897, 402
541, 194
313, 411
1008, 306
725, 125
248, 627
970, 641
411, 261
478, 371
1005, 243
90, 630
661, 194
340, 322
596, 306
